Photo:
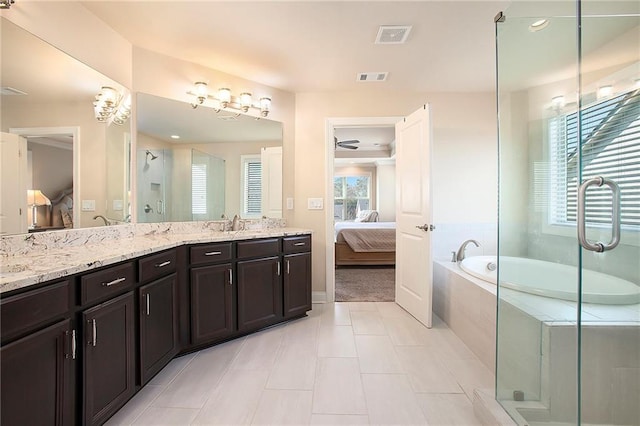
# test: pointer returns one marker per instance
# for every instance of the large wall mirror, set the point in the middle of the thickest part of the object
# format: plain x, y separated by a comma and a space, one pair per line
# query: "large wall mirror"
196, 164
61, 167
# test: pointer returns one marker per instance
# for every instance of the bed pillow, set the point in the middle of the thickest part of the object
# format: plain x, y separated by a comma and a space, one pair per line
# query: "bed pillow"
367, 216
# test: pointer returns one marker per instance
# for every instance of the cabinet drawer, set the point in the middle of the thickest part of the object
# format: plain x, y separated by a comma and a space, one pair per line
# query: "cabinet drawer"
299, 244
23, 312
107, 282
258, 248
210, 253
157, 265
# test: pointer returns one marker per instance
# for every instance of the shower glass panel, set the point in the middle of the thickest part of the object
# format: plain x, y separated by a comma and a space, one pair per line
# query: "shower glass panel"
179, 184
568, 332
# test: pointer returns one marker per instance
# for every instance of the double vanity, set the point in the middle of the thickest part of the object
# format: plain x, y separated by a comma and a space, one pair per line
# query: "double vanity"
87, 320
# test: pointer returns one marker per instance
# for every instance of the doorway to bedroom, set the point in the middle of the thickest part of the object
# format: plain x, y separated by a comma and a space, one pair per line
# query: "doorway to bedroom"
364, 212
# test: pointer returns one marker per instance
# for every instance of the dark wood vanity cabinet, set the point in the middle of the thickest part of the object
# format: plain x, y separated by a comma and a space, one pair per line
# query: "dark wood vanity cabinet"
37, 378
212, 296
297, 275
38, 357
108, 357
259, 283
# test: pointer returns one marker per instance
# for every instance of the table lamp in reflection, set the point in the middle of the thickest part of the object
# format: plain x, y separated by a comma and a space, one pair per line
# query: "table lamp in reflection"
35, 199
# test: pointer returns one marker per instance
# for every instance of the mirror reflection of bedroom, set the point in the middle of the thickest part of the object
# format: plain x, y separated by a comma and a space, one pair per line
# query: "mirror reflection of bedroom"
364, 214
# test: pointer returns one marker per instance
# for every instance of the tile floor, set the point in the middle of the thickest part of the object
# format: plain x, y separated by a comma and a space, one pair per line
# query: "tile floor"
352, 363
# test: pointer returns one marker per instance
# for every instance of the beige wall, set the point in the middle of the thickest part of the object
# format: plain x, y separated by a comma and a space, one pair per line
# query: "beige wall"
464, 149
386, 189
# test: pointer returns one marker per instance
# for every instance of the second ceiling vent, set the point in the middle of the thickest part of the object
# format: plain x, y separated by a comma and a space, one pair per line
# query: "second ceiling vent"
372, 76
393, 34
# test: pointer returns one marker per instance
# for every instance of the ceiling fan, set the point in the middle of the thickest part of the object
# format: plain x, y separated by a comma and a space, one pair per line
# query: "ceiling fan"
345, 144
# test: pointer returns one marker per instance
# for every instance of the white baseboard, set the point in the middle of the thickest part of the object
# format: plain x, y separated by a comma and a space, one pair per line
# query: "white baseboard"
319, 297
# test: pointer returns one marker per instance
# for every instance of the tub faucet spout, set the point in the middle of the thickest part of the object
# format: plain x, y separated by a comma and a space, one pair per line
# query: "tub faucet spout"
460, 255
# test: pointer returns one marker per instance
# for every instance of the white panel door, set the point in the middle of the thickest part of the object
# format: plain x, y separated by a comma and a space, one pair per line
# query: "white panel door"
413, 215
13, 194
272, 181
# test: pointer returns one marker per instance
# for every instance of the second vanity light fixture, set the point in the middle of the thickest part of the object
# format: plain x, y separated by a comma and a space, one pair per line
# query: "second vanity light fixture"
224, 100
111, 106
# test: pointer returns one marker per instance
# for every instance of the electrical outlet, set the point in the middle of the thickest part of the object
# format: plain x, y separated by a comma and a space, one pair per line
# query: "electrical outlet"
88, 205
289, 203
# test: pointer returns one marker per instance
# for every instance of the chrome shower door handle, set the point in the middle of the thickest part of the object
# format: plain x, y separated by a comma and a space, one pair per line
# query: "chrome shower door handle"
615, 220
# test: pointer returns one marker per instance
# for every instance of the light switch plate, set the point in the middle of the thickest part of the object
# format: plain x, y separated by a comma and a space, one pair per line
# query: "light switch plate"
117, 205
289, 203
315, 203
88, 205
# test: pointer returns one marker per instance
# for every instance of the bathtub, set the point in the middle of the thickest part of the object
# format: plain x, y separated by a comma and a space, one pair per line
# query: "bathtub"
553, 280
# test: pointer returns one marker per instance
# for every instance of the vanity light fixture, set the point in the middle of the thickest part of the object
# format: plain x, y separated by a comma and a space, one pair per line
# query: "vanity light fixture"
111, 106
557, 101
223, 99
6, 4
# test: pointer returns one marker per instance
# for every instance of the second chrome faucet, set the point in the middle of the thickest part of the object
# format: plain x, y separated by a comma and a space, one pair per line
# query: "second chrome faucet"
460, 254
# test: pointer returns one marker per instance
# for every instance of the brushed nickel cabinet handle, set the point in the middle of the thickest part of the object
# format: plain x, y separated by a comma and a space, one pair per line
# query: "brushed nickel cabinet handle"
116, 281
213, 253
288, 267
230, 276
278, 272
73, 344
298, 244
163, 264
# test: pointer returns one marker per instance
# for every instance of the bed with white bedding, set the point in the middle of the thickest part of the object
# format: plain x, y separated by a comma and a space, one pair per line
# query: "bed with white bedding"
365, 243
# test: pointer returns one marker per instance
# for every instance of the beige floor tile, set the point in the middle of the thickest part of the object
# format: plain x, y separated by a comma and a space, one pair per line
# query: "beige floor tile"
425, 371
294, 367
367, 322
134, 408
390, 400
338, 387
168, 373
303, 330
195, 383
259, 350
448, 410
362, 306
234, 400
338, 420
391, 309
470, 374
336, 341
405, 331
377, 355
163, 416
283, 407
335, 314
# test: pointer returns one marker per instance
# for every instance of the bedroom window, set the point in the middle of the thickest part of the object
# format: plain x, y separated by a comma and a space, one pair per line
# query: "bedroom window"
610, 147
351, 194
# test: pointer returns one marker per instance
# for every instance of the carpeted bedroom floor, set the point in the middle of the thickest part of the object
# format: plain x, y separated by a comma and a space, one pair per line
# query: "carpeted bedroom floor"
365, 283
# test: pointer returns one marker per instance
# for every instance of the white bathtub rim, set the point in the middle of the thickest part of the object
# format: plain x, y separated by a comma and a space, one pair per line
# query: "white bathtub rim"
589, 296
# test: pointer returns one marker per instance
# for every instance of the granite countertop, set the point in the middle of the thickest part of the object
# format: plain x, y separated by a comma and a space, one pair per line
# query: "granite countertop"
33, 266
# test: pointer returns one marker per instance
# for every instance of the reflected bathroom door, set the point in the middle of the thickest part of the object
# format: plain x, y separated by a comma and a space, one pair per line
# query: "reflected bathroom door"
413, 215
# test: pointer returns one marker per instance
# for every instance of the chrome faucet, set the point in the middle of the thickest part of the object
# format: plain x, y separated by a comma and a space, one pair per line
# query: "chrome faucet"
104, 219
463, 247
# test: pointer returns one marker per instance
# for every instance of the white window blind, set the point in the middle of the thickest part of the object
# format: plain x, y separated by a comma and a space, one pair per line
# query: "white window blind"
198, 189
610, 141
252, 187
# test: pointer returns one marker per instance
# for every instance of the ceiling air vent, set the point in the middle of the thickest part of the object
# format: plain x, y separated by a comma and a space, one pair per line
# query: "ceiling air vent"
393, 34
372, 76
10, 91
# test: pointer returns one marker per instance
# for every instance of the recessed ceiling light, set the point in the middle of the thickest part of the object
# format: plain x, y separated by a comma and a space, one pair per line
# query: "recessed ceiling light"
175, 137
539, 25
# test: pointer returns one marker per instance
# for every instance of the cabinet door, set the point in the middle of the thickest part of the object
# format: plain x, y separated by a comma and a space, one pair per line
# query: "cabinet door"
297, 284
158, 325
259, 293
36, 380
212, 312
109, 375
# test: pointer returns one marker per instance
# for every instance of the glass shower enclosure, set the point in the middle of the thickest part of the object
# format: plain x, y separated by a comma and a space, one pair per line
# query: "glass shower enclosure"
179, 184
568, 328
